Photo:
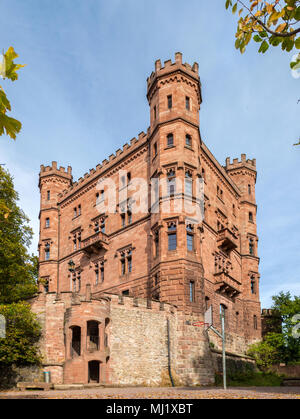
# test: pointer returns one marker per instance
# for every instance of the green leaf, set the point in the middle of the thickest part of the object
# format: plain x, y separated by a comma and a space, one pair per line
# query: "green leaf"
234, 9
9, 126
257, 38
297, 43
228, 3
264, 47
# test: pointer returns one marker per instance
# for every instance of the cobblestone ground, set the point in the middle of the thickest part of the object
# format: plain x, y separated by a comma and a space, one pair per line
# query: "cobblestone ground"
159, 393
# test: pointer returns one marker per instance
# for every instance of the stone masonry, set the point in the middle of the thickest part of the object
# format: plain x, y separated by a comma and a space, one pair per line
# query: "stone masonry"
121, 287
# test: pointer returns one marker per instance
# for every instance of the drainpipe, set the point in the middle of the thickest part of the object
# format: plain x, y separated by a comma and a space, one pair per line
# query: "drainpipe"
169, 353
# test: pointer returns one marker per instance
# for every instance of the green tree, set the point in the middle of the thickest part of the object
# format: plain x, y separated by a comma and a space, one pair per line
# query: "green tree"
8, 70
287, 308
284, 346
20, 346
18, 269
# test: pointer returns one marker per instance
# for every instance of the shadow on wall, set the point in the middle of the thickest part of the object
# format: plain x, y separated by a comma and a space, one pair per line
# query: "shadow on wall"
10, 375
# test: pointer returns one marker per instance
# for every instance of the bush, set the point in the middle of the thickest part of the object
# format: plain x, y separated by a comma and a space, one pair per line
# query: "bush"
22, 335
251, 379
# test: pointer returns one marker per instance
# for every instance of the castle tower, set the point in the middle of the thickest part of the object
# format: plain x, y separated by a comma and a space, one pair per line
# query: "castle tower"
244, 175
52, 181
174, 96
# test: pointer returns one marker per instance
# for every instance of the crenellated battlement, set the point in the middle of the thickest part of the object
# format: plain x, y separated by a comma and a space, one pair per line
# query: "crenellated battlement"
107, 163
244, 162
53, 169
170, 66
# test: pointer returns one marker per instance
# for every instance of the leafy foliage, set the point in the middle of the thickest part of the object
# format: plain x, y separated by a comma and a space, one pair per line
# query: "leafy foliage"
9, 68
18, 269
271, 23
279, 347
22, 334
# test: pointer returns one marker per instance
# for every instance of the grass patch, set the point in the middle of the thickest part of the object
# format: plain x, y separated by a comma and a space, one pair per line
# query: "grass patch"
251, 379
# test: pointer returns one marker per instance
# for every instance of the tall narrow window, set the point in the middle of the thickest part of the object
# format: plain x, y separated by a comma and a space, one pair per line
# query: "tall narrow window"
252, 284
192, 291
48, 195
154, 112
129, 217
251, 217
188, 183
170, 140
102, 225
75, 212
47, 251
255, 322
123, 220
172, 237
249, 189
171, 182
156, 243
79, 210
190, 237
47, 222
251, 247
123, 265
102, 271
187, 103
129, 262
170, 104
188, 140
155, 149
97, 274
207, 303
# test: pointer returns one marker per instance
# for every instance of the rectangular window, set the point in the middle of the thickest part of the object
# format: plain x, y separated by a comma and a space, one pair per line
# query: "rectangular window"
47, 222
97, 276
129, 217
154, 112
187, 103
190, 241
48, 195
170, 102
172, 241
123, 266
170, 140
102, 273
79, 210
47, 252
188, 140
123, 221
129, 264
155, 149
192, 291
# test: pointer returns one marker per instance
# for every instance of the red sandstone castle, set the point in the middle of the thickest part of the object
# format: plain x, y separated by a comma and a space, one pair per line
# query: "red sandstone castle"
120, 289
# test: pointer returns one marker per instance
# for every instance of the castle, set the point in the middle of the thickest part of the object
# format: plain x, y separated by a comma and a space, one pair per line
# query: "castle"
121, 286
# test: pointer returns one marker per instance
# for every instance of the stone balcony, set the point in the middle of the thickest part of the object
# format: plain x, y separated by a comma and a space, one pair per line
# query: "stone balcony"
94, 243
227, 240
227, 285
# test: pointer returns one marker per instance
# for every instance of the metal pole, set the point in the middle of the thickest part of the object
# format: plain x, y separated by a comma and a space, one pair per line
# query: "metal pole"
223, 348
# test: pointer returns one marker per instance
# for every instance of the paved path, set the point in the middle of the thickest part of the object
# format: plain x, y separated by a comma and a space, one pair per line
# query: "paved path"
160, 393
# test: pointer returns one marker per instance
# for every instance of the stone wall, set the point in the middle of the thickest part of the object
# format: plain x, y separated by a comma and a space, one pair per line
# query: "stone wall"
10, 375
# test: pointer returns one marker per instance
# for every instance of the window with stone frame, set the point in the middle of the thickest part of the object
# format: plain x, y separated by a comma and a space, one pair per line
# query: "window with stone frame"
77, 240
188, 183
170, 140
192, 291
172, 236
99, 272
255, 322
187, 103
156, 243
171, 182
253, 284
188, 140
190, 237
47, 251
76, 280
251, 247
47, 224
126, 261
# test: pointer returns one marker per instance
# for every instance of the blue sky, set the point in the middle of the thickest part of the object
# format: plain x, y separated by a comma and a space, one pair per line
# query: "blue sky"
83, 95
